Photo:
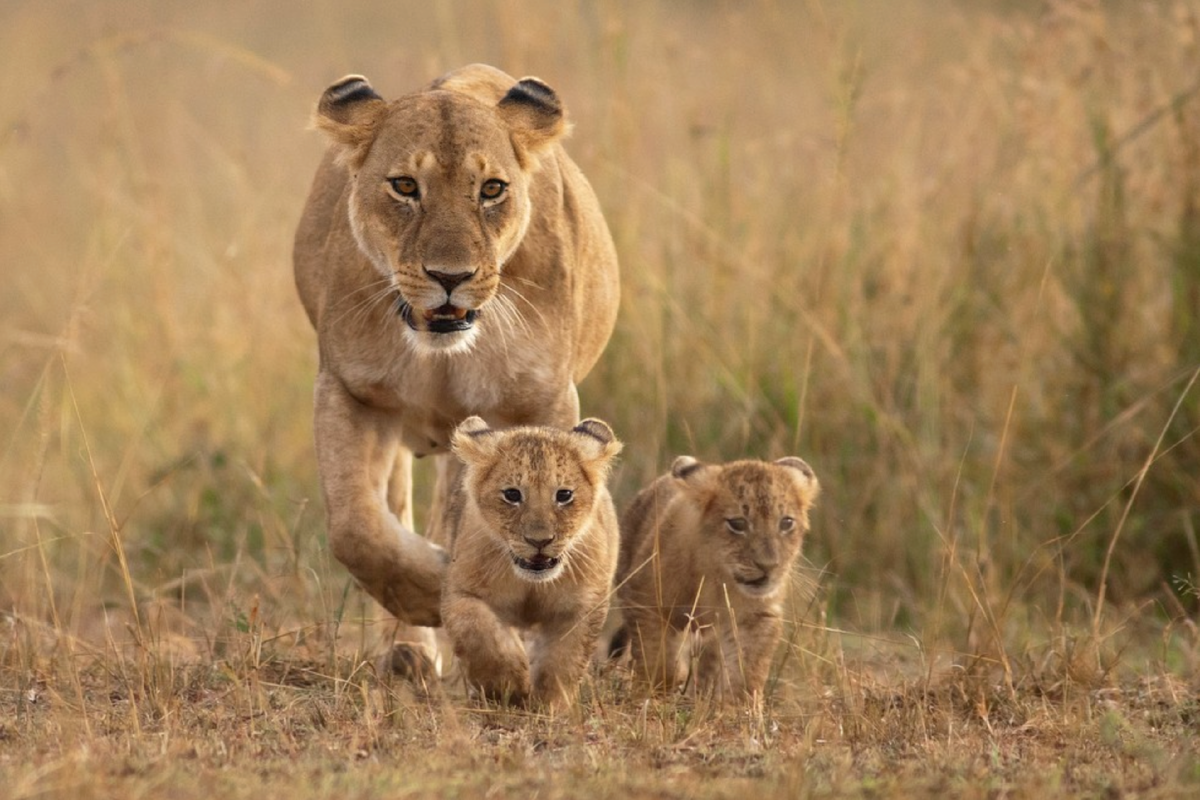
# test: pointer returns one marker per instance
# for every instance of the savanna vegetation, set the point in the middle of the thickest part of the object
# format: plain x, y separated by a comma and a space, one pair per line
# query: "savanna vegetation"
947, 252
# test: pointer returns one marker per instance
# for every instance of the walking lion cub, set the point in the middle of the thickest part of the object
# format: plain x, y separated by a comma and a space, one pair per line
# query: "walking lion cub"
708, 549
534, 548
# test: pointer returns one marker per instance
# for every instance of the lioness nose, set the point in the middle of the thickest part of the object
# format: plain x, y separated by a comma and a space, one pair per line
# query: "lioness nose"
449, 280
539, 543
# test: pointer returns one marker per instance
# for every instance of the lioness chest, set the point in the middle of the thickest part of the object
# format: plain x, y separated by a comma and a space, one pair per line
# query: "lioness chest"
427, 396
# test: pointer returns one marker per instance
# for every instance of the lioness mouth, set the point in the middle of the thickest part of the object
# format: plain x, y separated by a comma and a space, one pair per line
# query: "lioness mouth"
539, 563
443, 319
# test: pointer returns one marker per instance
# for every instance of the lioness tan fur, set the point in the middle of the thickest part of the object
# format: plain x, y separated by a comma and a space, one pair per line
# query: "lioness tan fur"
708, 549
533, 554
454, 262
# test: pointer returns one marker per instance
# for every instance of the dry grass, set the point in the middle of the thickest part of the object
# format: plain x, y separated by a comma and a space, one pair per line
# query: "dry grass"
948, 252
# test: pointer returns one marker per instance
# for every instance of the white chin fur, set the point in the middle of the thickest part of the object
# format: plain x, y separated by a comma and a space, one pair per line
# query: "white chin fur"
544, 576
425, 343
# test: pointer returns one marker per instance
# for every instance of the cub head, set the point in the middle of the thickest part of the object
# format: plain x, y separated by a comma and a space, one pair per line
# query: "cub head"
753, 516
440, 193
535, 488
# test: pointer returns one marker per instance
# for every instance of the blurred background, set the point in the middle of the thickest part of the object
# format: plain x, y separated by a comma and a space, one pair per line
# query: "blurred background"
947, 252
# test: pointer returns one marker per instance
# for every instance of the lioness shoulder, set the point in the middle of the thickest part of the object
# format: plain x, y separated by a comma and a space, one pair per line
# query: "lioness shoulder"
709, 548
533, 552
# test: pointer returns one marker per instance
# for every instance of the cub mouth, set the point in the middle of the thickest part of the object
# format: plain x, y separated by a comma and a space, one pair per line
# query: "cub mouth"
539, 563
446, 318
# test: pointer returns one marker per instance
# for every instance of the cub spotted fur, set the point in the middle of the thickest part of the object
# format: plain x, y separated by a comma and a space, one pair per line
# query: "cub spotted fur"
533, 555
453, 261
708, 549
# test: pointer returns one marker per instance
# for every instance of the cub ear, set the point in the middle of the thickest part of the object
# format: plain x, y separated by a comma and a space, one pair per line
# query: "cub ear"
534, 116
599, 442
349, 113
685, 466
807, 478
471, 441
696, 475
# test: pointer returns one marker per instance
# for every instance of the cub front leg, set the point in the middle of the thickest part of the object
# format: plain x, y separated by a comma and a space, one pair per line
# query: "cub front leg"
491, 653
736, 658
760, 639
654, 647
559, 657
357, 459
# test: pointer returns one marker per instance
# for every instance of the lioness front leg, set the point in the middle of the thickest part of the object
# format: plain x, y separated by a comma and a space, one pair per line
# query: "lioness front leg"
492, 656
356, 455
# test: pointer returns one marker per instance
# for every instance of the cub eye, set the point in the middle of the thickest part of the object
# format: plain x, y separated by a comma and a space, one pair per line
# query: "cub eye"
737, 525
405, 186
492, 189
786, 525
564, 496
512, 496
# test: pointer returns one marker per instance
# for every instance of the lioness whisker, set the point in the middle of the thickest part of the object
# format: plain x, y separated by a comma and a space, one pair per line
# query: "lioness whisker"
503, 321
527, 302
511, 313
527, 281
376, 289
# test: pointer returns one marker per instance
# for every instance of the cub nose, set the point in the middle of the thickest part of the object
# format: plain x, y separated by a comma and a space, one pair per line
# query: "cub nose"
767, 568
538, 543
449, 280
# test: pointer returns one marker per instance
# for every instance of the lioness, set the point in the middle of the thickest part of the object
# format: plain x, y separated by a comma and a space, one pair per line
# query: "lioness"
709, 549
454, 261
534, 549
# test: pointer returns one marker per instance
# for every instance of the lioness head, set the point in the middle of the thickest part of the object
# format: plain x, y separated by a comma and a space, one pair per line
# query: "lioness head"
753, 518
439, 197
535, 488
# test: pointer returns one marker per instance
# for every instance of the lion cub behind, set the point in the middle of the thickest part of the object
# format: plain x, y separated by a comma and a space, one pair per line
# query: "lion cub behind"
533, 553
709, 549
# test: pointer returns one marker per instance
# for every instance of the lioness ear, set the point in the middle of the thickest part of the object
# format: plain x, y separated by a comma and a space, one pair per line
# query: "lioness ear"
808, 478
599, 442
471, 440
534, 115
349, 112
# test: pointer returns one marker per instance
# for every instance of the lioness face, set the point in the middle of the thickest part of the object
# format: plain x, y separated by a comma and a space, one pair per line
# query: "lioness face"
754, 516
439, 195
535, 488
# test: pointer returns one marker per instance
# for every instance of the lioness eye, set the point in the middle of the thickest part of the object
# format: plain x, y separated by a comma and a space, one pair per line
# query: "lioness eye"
404, 186
492, 189
786, 524
736, 525
564, 496
512, 496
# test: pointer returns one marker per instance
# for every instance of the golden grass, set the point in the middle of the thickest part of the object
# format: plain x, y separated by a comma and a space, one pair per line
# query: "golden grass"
949, 253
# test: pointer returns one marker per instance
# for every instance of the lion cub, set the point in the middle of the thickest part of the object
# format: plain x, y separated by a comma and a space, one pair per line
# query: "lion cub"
534, 553
709, 549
